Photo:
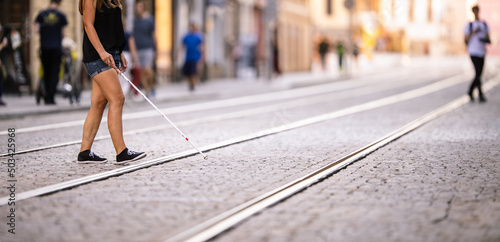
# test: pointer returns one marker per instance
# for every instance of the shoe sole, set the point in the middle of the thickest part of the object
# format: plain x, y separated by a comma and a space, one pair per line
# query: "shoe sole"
91, 162
127, 161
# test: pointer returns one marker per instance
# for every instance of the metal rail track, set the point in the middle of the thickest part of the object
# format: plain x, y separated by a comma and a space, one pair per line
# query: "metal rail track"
304, 101
227, 220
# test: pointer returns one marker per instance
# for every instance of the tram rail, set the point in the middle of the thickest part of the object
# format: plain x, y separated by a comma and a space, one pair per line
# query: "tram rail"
304, 101
227, 220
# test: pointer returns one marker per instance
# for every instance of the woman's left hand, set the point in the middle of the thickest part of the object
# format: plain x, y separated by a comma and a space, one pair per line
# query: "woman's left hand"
123, 63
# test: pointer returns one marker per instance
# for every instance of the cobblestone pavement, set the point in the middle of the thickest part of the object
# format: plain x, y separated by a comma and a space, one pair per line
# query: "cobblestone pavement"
439, 183
162, 143
401, 190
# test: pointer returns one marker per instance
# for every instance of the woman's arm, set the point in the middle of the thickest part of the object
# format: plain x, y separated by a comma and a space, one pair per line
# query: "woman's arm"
123, 62
133, 51
89, 7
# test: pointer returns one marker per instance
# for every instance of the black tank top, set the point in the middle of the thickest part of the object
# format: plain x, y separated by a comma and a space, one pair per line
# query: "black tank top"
109, 28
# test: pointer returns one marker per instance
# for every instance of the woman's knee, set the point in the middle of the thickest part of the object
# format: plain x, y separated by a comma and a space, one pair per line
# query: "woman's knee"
99, 103
117, 100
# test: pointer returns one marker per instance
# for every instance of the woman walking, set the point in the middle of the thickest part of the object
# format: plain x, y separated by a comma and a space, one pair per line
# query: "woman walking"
103, 45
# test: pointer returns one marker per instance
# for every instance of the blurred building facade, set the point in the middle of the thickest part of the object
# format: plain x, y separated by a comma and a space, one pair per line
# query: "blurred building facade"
411, 26
14, 22
295, 35
490, 12
240, 35
19, 15
421, 27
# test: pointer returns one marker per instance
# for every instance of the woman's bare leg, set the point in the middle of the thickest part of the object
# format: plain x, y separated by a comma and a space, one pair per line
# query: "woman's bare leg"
98, 103
110, 87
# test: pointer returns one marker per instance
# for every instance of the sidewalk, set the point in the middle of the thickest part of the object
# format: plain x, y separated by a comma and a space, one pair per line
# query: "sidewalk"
20, 106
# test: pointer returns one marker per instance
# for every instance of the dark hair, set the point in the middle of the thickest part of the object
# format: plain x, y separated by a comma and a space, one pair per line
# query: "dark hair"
99, 4
475, 8
56, 1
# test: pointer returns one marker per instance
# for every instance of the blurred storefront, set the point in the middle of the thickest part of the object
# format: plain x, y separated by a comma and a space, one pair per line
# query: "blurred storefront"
15, 32
163, 12
19, 16
406, 26
423, 27
331, 20
295, 34
240, 35
73, 31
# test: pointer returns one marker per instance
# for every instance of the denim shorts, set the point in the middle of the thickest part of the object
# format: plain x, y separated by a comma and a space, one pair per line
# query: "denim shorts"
95, 67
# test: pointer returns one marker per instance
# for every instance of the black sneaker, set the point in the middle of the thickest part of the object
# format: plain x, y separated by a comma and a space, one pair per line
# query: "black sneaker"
129, 155
89, 157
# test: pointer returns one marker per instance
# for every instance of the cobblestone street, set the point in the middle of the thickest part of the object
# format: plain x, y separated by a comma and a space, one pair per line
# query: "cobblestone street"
438, 183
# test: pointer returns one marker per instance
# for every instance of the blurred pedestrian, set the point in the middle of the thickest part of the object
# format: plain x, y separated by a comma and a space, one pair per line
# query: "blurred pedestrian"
3, 43
340, 53
5, 54
145, 41
50, 23
323, 49
130, 52
276, 55
2, 103
193, 43
355, 52
477, 36
103, 44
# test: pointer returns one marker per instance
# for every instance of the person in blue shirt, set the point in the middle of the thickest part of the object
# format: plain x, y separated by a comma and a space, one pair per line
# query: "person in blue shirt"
193, 44
50, 23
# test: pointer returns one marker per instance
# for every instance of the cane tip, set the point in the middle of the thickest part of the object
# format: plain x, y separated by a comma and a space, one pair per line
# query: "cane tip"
205, 157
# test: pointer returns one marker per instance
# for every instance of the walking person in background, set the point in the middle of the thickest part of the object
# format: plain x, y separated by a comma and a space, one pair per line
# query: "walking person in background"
323, 49
193, 43
103, 44
145, 41
276, 55
355, 53
2, 103
3, 43
340, 53
50, 23
477, 36
130, 52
